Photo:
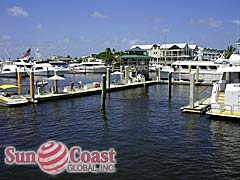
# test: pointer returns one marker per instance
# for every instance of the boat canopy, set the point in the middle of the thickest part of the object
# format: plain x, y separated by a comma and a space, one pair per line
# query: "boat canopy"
8, 86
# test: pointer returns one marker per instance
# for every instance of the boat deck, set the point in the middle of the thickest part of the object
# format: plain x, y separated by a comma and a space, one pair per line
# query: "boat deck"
224, 114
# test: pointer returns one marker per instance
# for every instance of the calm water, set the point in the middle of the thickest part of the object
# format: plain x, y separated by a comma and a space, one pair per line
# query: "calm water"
151, 136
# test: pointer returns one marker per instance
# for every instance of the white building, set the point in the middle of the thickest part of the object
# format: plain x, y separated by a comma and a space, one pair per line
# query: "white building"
168, 53
209, 54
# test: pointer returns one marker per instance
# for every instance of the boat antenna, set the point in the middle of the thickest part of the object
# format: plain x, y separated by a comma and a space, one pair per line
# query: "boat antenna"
5, 50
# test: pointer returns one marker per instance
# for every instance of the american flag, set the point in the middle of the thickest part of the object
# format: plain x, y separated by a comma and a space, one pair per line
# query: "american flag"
26, 53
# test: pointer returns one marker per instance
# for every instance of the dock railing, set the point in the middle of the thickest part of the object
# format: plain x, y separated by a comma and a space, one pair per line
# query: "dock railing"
222, 108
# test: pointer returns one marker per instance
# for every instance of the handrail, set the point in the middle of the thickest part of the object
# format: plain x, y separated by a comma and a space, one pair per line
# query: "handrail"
225, 105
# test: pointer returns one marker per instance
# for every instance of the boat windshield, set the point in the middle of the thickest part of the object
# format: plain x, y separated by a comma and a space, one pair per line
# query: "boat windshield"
9, 92
232, 77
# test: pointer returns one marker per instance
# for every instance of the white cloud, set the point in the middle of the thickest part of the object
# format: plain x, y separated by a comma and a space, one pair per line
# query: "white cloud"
99, 15
5, 37
197, 21
135, 42
236, 22
165, 30
211, 22
66, 40
17, 11
39, 26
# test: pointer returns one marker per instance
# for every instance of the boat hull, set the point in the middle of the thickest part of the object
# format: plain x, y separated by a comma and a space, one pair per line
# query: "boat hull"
13, 101
11, 74
91, 70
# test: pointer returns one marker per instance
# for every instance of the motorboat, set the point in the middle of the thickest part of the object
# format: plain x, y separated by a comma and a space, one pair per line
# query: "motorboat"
24, 64
207, 70
44, 68
225, 97
93, 65
73, 65
10, 71
60, 66
9, 96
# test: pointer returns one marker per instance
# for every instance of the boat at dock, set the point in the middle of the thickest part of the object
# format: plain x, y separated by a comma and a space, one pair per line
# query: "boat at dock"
9, 70
44, 68
9, 96
225, 97
207, 70
92, 65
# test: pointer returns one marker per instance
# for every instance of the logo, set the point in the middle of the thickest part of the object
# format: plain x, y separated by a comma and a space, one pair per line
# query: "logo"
54, 157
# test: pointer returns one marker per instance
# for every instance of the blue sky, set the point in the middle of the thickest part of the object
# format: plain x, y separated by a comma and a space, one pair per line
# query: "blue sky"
82, 27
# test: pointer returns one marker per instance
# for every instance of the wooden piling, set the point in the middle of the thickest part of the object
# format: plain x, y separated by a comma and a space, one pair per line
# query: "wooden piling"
19, 78
103, 96
108, 78
126, 74
159, 74
189, 69
16, 71
191, 94
31, 79
121, 76
170, 85
197, 74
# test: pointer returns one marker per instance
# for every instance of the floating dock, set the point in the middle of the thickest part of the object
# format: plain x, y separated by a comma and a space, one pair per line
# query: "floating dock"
86, 92
200, 107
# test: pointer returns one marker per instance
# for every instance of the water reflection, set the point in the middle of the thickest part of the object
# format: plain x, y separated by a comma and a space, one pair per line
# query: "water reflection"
226, 138
104, 118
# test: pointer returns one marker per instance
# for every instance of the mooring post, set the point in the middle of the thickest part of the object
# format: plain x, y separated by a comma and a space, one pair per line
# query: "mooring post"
19, 78
197, 74
159, 74
121, 71
189, 69
169, 85
108, 78
16, 71
192, 85
103, 96
31, 79
126, 74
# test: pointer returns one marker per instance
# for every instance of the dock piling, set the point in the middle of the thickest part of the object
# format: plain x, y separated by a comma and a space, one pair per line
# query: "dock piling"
192, 84
159, 74
126, 74
169, 85
103, 96
121, 71
108, 78
31, 79
19, 78
197, 74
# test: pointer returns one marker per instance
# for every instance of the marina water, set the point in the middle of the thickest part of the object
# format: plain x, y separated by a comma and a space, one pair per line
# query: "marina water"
152, 138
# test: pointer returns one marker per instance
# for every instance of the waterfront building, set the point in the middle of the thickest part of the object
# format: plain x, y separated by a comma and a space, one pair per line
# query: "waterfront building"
209, 54
137, 59
166, 54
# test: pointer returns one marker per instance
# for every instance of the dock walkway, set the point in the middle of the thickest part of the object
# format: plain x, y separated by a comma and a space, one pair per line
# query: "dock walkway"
86, 92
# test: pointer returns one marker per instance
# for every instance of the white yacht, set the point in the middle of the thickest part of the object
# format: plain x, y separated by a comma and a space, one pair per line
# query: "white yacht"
23, 64
207, 70
43, 68
73, 65
10, 71
91, 66
225, 97
60, 66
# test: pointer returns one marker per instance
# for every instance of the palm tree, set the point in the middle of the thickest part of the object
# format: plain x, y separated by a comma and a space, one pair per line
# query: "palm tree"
229, 51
